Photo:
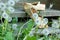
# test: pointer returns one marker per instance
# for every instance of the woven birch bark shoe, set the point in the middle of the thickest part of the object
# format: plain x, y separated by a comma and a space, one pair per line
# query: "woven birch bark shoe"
32, 9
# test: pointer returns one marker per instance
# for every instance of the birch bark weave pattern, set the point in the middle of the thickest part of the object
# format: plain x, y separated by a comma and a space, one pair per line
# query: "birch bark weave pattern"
32, 10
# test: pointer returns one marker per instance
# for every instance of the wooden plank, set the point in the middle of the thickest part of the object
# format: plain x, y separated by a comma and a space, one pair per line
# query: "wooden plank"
28, 0
49, 13
18, 14
46, 13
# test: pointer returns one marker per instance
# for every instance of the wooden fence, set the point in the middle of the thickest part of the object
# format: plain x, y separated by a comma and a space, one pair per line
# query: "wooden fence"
20, 13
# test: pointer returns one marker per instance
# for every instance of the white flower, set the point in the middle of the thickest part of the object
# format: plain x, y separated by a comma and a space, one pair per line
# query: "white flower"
35, 15
45, 32
31, 33
11, 2
38, 21
55, 25
14, 26
2, 6
11, 9
5, 15
9, 19
39, 31
54, 21
45, 21
7, 5
57, 30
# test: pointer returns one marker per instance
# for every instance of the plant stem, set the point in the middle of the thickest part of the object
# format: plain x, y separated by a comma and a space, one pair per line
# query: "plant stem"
21, 30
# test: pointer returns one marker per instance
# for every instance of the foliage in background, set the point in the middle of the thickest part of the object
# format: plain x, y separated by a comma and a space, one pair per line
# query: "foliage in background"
6, 29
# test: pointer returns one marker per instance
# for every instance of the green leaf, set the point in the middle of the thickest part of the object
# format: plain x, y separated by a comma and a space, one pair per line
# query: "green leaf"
1, 38
15, 20
29, 25
9, 36
31, 38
